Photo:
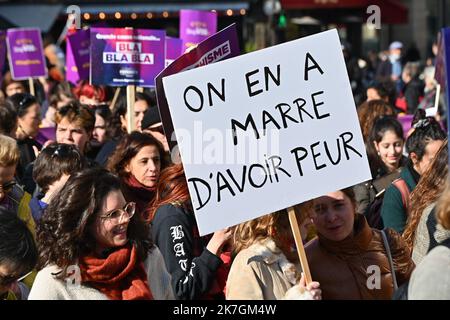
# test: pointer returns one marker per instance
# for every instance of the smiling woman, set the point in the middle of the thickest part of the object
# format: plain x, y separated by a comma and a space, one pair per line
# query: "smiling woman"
92, 246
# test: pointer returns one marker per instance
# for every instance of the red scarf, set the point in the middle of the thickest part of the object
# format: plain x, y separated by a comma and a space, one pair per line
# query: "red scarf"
120, 276
135, 191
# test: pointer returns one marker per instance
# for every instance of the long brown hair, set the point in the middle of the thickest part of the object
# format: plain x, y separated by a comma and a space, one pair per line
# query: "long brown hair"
172, 188
275, 226
65, 232
427, 191
443, 208
128, 148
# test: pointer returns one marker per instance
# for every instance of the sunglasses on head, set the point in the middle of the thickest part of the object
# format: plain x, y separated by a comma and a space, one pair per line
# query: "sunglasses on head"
26, 101
7, 280
8, 186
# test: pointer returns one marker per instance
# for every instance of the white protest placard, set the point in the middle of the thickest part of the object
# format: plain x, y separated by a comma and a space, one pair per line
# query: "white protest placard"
267, 130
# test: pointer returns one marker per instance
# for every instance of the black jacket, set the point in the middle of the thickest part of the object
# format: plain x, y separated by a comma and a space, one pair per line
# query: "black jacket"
192, 267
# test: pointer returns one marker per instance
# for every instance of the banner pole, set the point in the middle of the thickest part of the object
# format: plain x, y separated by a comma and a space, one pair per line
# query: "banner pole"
299, 243
31, 85
131, 94
114, 100
131, 99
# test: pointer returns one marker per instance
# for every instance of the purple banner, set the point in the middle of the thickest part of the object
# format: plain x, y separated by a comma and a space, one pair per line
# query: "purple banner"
77, 56
220, 46
196, 26
26, 56
2, 52
174, 49
121, 57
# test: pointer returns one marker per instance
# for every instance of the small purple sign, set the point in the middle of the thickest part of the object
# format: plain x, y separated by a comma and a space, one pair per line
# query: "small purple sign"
174, 49
196, 26
2, 52
121, 57
220, 46
26, 55
77, 56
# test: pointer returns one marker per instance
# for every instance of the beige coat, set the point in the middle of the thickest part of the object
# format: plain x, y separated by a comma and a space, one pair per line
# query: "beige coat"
262, 272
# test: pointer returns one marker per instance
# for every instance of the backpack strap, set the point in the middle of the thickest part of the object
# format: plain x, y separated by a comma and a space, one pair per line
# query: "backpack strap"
401, 185
389, 256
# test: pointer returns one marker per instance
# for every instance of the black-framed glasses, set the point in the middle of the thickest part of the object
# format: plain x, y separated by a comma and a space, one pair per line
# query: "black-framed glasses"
116, 215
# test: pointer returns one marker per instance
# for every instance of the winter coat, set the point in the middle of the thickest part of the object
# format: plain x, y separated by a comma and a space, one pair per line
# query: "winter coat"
262, 272
358, 267
393, 211
193, 268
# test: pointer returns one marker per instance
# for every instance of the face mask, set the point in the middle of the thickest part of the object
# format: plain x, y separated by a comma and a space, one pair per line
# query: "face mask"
394, 57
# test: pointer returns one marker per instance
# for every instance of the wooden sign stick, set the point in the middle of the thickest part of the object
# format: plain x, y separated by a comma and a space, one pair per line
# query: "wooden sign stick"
114, 100
299, 243
131, 97
31, 84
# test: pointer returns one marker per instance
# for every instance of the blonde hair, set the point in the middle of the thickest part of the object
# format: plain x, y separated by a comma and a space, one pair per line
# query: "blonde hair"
443, 208
268, 226
9, 151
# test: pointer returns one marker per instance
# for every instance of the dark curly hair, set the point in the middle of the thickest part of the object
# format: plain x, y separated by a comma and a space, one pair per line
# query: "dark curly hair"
64, 233
426, 130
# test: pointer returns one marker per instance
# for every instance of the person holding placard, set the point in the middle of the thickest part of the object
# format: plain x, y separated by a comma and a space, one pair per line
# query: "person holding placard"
349, 259
138, 161
265, 266
89, 94
195, 263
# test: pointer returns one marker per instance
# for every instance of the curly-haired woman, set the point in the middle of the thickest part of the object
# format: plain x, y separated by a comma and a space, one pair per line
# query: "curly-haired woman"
92, 246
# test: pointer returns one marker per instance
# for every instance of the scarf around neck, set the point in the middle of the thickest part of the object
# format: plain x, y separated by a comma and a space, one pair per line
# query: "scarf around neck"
119, 276
135, 191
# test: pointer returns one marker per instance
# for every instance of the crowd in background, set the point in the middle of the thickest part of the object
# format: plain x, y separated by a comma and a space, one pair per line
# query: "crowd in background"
83, 199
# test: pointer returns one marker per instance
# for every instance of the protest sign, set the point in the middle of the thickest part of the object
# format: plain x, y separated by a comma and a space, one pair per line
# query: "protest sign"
25, 52
174, 49
2, 52
196, 26
263, 131
77, 56
220, 46
121, 57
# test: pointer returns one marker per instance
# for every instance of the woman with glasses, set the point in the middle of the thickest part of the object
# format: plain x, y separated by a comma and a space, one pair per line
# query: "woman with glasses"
18, 256
12, 196
29, 118
138, 161
92, 245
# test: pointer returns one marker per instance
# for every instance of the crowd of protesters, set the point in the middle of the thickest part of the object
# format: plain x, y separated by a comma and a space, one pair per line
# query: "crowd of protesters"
90, 210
